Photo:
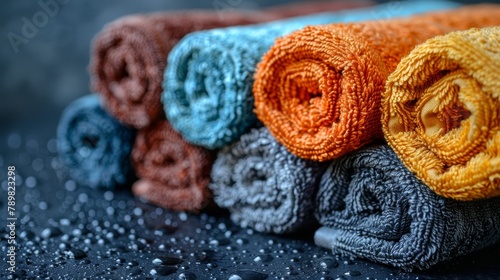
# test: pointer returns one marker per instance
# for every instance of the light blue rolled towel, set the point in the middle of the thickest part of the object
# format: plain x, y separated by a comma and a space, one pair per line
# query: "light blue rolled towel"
208, 81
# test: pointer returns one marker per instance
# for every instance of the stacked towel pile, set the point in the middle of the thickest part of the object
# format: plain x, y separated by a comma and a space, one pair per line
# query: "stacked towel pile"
380, 124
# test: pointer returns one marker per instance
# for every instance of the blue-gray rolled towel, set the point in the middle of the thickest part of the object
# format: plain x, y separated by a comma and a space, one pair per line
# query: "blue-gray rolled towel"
264, 186
209, 75
94, 146
372, 207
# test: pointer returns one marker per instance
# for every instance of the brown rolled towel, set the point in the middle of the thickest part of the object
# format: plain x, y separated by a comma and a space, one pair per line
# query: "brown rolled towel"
129, 54
174, 174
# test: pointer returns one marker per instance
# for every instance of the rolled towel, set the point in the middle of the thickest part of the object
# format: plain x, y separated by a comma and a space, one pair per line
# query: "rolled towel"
93, 145
129, 54
372, 207
319, 89
263, 185
173, 173
441, 113
209, 76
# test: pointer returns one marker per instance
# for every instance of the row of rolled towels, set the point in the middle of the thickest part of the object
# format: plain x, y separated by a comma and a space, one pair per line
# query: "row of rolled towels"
382, 123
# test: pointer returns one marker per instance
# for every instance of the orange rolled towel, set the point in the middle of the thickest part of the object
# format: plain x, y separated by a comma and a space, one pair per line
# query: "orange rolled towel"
441, 113
173, 173
318, 90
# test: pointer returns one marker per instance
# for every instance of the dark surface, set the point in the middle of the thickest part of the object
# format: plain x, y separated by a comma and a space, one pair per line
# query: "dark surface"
66, 231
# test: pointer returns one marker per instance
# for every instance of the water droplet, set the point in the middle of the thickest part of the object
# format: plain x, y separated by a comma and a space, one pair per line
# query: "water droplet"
43, 205
70, 185
214, 242
348, 262
186, 276
108, 195
52, 146
167, 260
163, 270
26, 234
50, 232
30, 182
85, 261
212, 265
110, 211
247, 275
37, 164
65, 237
352, 273
131, 264
205, 256
328, 262
263, 258
137, 211
111, 268
64, 222
241, 241
183, 216
77, 254
83, 198
14, 141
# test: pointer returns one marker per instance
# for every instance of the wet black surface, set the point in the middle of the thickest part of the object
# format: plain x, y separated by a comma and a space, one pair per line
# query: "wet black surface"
67, 231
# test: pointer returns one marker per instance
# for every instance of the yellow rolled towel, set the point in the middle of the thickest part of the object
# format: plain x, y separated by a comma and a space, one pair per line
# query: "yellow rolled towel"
441, 113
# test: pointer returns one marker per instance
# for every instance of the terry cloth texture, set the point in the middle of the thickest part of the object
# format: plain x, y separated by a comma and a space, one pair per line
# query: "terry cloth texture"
129, 55
209, 76
93, 145
319, 89
173, 173
264, 186
441, 113
372, 207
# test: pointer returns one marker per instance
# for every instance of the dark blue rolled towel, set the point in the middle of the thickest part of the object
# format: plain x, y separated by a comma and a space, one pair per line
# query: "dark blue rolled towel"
264, 186
94, 146
372, 207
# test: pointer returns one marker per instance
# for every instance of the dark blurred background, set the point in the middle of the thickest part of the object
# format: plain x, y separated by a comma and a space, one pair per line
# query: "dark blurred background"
42, 74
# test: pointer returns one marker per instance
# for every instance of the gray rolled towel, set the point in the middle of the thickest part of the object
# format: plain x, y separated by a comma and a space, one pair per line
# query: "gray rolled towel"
372, 207
264, 186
